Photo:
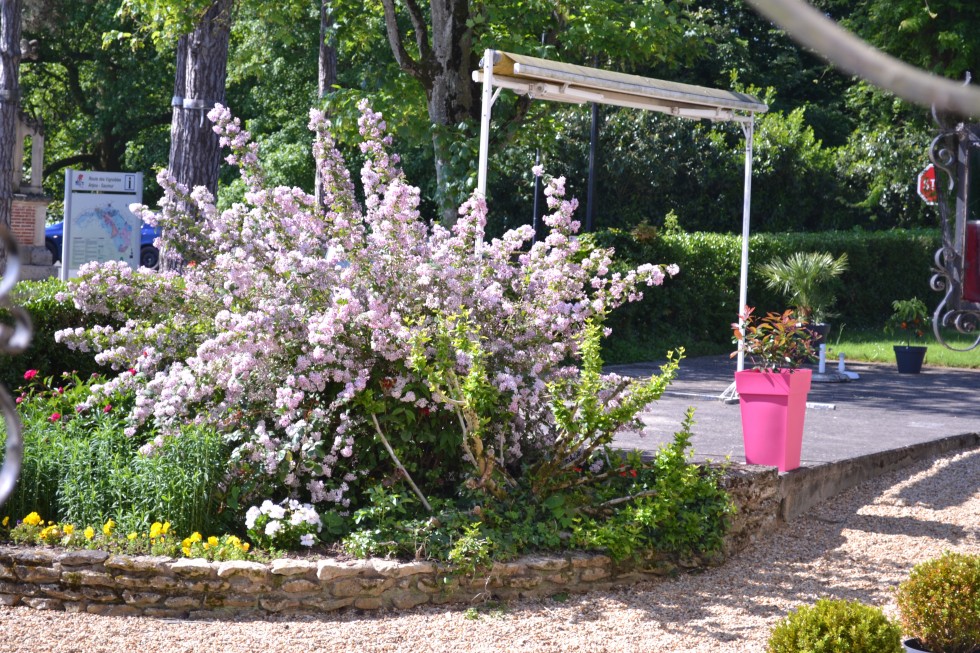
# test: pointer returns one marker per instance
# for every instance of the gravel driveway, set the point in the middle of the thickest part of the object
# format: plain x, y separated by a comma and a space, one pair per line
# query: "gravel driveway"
857, 546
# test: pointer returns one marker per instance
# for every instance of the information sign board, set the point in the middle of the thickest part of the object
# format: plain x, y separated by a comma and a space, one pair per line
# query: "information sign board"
98, 223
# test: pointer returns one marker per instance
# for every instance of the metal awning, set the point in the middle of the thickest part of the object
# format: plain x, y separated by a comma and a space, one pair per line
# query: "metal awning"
563, 82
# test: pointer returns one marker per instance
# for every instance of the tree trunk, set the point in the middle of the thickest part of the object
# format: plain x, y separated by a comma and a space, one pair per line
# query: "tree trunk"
327, 72
195, 157
450, 95
443, 68
10, 17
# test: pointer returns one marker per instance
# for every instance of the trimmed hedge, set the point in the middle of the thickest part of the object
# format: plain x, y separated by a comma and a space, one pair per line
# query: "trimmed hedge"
696, 308
48, 315
693, 310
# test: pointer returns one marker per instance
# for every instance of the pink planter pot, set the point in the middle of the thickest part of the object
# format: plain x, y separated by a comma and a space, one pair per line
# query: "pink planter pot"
773, 407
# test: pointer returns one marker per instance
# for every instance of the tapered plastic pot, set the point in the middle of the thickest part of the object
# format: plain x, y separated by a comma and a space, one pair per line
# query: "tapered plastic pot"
773, 406
909, 359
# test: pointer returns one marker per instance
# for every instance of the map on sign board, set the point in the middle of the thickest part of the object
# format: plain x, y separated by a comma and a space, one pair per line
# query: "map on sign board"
98, 223
100, 232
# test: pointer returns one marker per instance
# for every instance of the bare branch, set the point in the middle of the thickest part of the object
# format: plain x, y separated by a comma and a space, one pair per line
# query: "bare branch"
849, 53
398, 464
402, 58
417, 17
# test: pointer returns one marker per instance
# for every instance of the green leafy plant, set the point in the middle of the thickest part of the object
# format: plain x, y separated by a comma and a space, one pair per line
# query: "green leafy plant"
835, 626
806, 280
939, 603
775, 341
910, 320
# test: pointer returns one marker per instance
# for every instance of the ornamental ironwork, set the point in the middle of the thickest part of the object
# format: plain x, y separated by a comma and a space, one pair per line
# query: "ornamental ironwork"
14, 339
956, 152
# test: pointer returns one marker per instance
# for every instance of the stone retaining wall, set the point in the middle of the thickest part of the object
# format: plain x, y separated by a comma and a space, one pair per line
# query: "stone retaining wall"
101, 583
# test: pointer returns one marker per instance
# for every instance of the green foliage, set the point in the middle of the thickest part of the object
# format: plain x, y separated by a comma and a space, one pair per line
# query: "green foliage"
675, 507
806, 280
835, 626
939, 603
775, 341
910, 319
882, 265
49, 314
587, 423
80, 467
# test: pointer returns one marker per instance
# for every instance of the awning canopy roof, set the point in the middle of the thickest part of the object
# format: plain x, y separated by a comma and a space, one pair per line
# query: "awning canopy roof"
563, 82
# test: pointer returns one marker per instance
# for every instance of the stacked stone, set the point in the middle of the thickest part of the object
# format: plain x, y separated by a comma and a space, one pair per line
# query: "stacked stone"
158, 586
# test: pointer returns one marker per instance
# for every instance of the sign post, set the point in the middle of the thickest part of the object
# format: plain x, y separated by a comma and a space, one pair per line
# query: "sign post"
98, 223
926, 185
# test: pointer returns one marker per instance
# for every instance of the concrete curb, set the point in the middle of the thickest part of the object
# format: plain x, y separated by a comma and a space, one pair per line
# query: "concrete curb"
802, 488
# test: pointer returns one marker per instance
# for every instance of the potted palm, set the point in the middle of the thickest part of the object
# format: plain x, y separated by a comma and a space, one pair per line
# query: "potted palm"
806, 280
910, 320
939, 605
772, 395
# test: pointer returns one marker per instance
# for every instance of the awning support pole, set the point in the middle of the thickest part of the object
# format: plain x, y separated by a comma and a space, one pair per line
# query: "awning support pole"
748, 129
487, 105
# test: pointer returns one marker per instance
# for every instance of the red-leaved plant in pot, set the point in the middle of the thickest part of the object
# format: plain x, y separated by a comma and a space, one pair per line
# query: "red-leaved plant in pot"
772, 395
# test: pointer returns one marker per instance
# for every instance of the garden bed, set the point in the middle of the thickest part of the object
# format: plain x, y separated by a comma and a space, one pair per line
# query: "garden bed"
97, 582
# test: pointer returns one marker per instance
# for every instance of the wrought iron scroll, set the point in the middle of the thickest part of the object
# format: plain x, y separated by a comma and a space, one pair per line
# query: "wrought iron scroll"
13, 340
950, 152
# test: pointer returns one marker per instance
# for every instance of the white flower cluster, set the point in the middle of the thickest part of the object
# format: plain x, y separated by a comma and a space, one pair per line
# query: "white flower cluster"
283, 524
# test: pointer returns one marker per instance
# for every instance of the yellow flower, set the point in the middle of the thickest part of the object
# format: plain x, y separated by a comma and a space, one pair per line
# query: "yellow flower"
155, 530
186, 550
234, 541
107, 527
132, 536
6, 520
89, 532
32, 519
187, 543
244, 547
213, 541
195, 537
69, 529
166, 527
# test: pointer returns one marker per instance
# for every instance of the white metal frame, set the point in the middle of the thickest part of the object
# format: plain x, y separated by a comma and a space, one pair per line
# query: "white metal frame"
578, 85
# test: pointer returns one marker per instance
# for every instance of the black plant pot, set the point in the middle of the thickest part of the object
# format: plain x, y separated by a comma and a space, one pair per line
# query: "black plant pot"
913, 645
909, 359
819, 331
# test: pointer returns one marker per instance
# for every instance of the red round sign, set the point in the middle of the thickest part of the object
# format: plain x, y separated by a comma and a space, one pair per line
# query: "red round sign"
926, 185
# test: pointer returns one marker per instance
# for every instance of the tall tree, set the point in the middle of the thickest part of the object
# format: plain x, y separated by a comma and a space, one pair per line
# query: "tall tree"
10, 30
199, 84
439, 46
102, 108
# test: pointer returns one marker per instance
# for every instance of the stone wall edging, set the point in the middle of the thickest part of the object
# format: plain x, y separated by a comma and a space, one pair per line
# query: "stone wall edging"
102, 583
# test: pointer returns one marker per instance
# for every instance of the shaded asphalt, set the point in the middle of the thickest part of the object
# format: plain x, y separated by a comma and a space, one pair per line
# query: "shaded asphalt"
879, 412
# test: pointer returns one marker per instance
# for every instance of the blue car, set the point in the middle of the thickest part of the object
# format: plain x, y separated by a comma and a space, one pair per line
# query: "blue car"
149, 255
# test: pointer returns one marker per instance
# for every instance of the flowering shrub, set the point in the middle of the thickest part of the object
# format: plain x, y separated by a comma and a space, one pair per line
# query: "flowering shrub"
307, 333
286, 525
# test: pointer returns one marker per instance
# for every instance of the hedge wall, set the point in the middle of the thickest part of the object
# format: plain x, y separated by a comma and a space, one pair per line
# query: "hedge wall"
696, 308
44, 354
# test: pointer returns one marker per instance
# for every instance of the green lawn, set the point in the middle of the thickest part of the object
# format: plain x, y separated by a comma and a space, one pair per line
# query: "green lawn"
875, 346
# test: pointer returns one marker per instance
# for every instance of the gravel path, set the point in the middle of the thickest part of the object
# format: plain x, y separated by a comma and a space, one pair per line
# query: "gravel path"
859, 545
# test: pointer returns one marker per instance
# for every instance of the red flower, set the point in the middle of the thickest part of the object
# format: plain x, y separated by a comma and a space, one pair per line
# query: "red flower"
107, 408
54, 417
387, 383
132, 371
424, 412
30, 374
633, 473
